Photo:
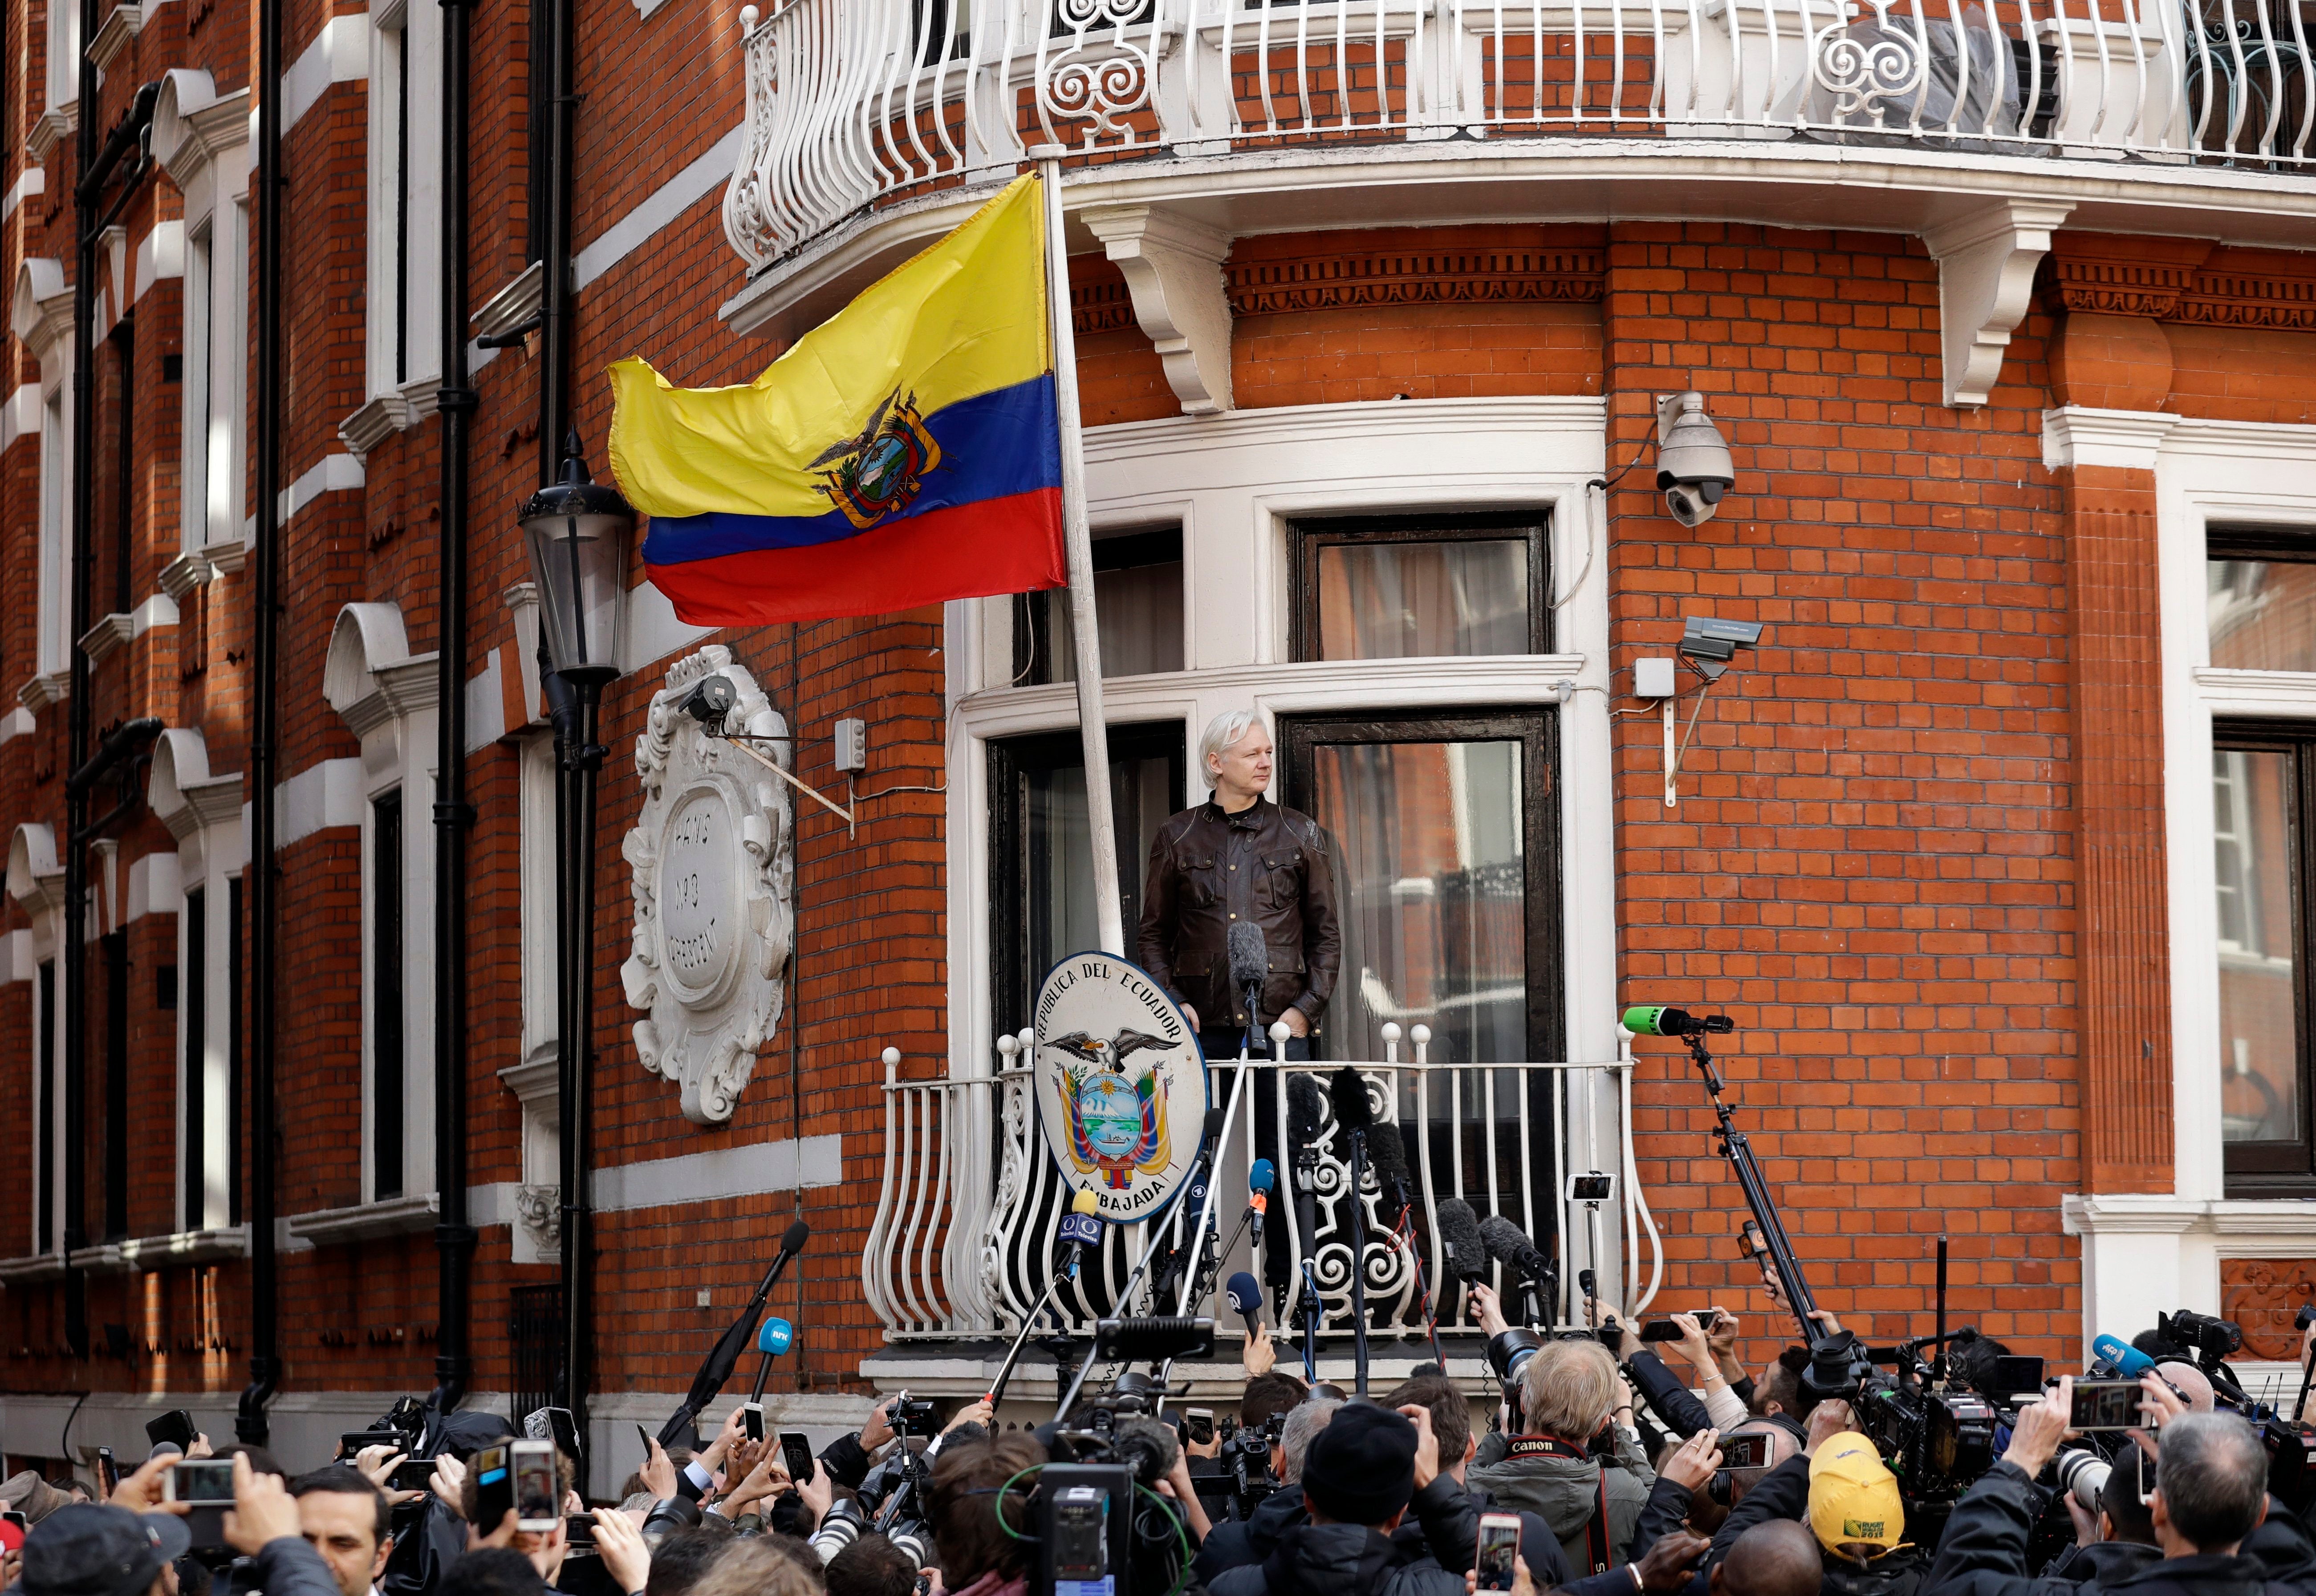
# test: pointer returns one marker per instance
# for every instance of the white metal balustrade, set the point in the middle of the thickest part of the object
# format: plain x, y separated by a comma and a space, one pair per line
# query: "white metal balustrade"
852, 101
963, 1245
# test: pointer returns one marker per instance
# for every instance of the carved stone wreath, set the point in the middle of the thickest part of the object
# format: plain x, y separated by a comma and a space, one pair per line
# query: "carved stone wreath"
714, 874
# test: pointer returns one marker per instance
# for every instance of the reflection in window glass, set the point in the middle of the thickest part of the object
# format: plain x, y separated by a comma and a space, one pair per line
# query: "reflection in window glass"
2256, 851
1429, 881
1139, 613
2263, 614
1060, 908
1403, 601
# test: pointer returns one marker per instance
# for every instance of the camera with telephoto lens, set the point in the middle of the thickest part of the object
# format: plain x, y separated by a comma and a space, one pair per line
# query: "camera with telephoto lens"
2208, 1336
1937, 1441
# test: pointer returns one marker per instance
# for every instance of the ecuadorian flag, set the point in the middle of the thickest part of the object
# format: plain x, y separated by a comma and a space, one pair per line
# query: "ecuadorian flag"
903, 453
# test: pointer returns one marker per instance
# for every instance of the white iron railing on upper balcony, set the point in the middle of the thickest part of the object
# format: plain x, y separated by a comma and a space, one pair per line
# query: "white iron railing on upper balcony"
852, 101
963, 1243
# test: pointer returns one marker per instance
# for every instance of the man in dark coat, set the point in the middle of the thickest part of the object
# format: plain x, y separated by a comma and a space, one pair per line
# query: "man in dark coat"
1360, 1475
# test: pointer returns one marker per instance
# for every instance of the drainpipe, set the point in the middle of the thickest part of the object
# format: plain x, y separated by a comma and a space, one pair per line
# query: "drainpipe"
262, 872
454, 1237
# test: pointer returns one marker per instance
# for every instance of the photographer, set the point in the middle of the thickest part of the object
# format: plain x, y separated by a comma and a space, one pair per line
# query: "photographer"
1241, 1541
978, 1508
1987, 1538
1361, 1473
1572, 1396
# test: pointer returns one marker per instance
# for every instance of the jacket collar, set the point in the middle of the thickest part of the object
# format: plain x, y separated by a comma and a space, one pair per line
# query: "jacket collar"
1253, 817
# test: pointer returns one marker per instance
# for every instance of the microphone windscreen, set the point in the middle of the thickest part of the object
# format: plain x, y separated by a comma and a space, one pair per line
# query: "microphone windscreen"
1389, 1154
1307, 1105
1349, 1093
775, 1337
1502, 1238
793, 1239
1263, 1177
1249, 959
1459, 1231
1246, 1296
1213, 1130
1085, 1202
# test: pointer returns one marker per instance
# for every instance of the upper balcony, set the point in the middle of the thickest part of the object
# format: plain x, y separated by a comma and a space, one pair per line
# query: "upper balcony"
870, 123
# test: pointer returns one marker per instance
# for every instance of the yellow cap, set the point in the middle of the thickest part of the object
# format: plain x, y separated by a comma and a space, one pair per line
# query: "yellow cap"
1853, 1496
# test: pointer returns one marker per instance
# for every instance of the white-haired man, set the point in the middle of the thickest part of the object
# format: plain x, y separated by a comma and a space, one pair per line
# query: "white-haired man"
1238, 857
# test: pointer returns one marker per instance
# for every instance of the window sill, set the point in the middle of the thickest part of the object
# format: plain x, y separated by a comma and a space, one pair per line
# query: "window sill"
2160, 1215
25, 1271
150, 1253
2257, 693
50, 130
368, 1221
206, 564
41, 691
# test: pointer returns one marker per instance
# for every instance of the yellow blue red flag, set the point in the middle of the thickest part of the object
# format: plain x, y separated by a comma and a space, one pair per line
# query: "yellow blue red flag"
903, 453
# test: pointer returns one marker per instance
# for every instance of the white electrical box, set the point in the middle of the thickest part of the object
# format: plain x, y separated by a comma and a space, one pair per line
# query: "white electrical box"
1654, 678
852, 743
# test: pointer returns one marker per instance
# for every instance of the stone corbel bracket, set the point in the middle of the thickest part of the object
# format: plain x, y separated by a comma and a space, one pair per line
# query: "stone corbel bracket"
1986, 273
1173, 269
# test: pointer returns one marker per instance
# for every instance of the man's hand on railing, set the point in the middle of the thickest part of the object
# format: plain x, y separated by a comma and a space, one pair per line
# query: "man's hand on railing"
1259, 1356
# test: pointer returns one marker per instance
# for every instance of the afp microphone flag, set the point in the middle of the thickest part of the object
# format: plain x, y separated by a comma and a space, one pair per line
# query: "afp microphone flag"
903, 453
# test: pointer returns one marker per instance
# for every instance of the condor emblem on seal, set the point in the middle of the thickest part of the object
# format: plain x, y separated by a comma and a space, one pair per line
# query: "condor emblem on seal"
1120, 1088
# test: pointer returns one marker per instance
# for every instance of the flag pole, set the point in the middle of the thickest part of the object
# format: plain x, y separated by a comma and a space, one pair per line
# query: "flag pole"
1077, 543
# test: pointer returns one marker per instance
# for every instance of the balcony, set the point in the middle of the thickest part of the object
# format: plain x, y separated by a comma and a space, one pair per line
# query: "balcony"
962, 1247
854, 104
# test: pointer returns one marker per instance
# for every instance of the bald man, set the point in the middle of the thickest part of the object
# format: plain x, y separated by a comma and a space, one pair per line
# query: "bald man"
1778, 1558
2192, 1383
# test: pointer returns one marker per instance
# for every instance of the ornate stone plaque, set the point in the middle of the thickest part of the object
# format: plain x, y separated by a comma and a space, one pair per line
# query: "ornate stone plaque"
713, 872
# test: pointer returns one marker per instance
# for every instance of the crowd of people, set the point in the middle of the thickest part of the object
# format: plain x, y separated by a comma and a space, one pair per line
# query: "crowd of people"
1628, 1473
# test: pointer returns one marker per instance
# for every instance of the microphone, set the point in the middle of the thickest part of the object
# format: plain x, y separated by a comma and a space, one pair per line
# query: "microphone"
773, 1337
1654, 1020
1260, 1179
1388, 1156
792, 1241
1509, 1246
1459, 1238
1349, 1093
1249, 966
1246, 1297
2127, 1361
1079, 1230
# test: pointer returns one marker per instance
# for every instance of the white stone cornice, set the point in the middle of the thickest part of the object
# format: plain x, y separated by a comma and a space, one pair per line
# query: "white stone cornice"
52, 688
120, 26
513, 305
50, 129
180, 790
110, 632
2126, 440
2264, 1227
35, 879
1986, 260
40, 310
194, 124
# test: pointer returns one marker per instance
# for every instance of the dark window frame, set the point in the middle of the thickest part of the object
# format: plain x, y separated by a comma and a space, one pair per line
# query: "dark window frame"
236, 1132
2280, 544
193, 1008
51, 1105
1306, 537
387, 997
1538, 731
2284, 1168
1012, 983
1033, 616
114, 945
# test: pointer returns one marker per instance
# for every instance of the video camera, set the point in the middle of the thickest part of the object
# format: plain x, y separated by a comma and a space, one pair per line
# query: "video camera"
1246, 1455
1100, 1523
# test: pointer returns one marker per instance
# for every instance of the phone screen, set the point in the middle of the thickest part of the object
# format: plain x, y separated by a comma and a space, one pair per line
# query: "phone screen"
1202, 1427
413, 1473
1498, 1551
2017, 1374
751, 1416
536, 1501
1745, 1451
2106, 1405
795, 1454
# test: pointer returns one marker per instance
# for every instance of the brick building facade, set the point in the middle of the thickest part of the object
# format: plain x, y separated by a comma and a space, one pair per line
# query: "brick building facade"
1986, 845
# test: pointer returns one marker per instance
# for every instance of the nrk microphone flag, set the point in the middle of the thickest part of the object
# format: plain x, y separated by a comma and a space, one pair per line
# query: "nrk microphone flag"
903, 453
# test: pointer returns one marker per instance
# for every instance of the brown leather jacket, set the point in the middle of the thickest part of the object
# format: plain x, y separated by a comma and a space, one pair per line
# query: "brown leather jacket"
1265, 864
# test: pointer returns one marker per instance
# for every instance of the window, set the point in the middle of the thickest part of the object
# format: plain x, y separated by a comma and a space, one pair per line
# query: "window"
1421, 589
1041, 899
1137, 593
114, 949
2263, 787
386, 995
64, 53
192, 958
215, 323
51, 1105
404, 333
2262, 590
55, 448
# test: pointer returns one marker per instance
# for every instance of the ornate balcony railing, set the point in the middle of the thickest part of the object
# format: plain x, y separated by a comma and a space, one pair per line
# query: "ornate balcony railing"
852, 102
963, 1243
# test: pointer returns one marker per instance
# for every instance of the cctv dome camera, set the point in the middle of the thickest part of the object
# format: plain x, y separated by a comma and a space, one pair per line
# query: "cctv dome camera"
1693, 464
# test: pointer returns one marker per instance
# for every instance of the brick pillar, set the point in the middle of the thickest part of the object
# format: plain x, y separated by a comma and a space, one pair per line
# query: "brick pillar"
2122, 907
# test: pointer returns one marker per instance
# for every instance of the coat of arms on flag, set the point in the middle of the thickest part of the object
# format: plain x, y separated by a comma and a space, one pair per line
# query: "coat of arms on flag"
1117, 1067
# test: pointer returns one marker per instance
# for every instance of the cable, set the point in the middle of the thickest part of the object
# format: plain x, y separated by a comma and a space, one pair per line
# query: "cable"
1181, 1536
1682, 751
998, 1507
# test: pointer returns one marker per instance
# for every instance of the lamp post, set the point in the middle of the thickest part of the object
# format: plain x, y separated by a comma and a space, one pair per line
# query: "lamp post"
578, 533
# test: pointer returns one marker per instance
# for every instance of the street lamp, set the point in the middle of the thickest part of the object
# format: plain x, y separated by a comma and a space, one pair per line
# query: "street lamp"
578, 533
